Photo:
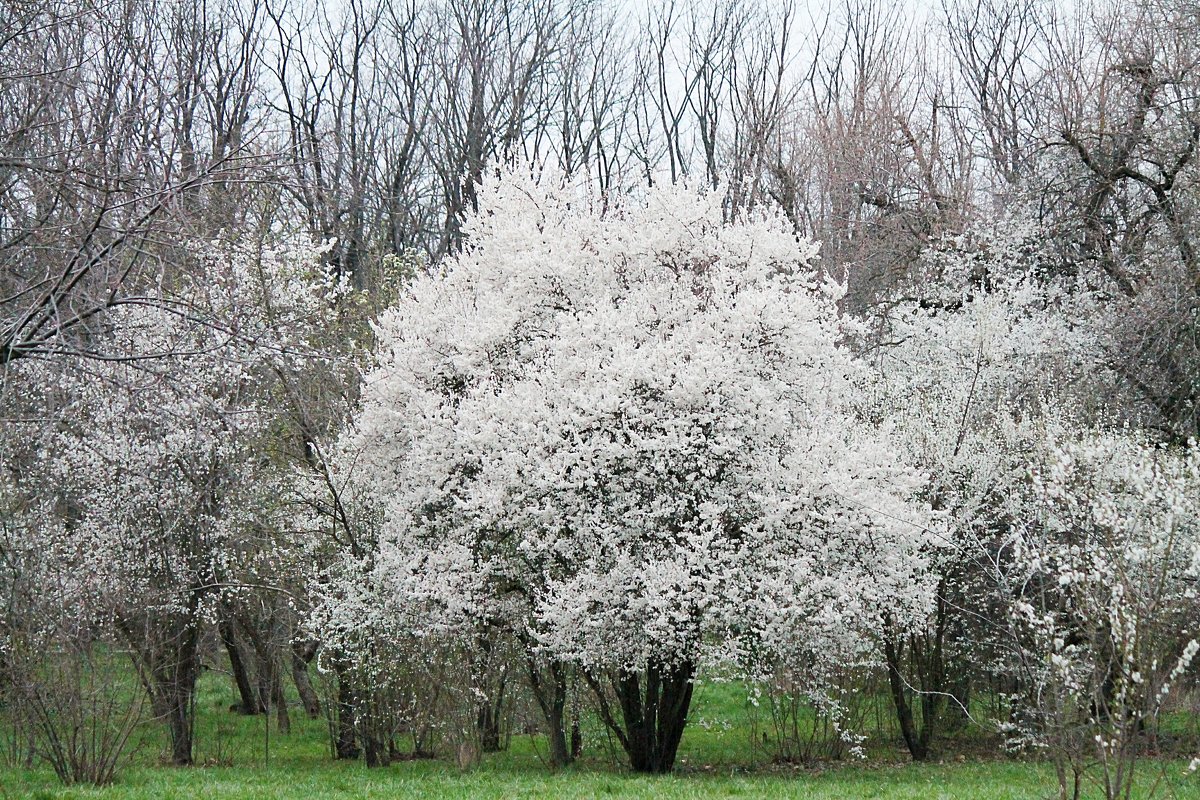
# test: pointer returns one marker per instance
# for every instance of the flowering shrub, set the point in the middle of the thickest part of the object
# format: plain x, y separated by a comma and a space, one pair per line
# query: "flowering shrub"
1103, 575
153, 467
624, 438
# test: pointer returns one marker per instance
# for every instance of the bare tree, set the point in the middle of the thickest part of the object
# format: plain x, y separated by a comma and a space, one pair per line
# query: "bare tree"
115, 123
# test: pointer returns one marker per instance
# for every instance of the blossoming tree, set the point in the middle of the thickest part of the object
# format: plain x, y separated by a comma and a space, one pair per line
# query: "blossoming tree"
155, 456
970, 357
1103, 576
619, 432
1071, 541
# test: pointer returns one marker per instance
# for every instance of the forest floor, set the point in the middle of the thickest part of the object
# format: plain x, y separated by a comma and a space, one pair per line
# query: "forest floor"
723, 755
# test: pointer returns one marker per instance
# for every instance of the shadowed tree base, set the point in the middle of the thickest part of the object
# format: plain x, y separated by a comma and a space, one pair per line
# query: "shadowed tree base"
654, 705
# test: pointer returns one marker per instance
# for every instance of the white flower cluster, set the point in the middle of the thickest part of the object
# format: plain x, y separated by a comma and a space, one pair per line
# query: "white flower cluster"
625, 436
154, 460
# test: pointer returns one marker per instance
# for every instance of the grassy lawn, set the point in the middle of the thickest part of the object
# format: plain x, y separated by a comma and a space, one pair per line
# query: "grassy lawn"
716, 760
502, 778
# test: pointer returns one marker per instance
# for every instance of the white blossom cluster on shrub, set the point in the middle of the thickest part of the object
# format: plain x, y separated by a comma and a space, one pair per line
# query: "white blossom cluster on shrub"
624, 434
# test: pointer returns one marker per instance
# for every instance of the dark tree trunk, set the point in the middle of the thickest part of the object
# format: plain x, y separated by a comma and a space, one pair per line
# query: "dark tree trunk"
491, 711
927, 663
179, 719
237, 665
550, 691
916, 743
560, 755
270, 677
374, 750
488, 723
345, 744
371, 721
576, 738
283, 721
654, 706
178, 686
302, 654
168, 669
655, 711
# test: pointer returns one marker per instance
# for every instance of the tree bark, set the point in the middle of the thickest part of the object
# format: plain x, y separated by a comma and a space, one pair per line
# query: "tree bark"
654, 705
908, 729
178, 686
180, 722
345, 744
283, 721
551, 696
490, 712
374, 750
237, 665
576, 738
168, 668
488, 723
270, 681
302, 654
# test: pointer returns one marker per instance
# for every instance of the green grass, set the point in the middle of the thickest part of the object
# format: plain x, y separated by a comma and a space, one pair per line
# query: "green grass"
509, 777
717, 760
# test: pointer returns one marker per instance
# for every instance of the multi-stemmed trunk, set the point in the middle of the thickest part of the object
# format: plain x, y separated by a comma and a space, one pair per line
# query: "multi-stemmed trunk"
917, 661
653, 705
166, 654
179, 718
270, 671
489, 716
302, 654
488, 723
177, 690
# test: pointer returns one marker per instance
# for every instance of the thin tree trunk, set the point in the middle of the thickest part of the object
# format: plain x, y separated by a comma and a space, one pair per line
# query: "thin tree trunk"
302, 654
551, 697
904, 716
345, 744
241, 677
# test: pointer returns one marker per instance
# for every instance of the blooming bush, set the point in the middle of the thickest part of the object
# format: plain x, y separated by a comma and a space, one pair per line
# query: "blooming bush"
624, 437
